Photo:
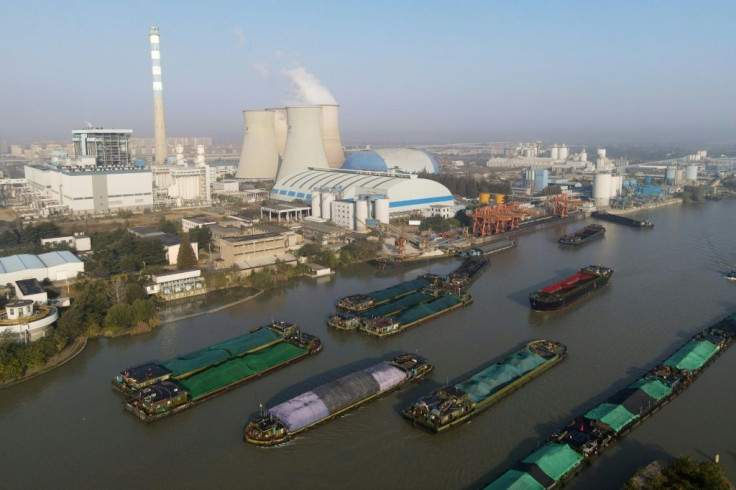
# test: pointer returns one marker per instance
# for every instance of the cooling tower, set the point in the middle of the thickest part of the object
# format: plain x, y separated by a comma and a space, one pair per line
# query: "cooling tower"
161, 150
304, 146
331, 136
281, 127
260, 157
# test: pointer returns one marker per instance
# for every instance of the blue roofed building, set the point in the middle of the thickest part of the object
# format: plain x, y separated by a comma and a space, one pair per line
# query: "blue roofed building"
56, 266
398, 159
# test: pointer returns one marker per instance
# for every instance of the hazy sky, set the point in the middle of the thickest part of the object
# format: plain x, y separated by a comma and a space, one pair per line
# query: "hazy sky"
402, 71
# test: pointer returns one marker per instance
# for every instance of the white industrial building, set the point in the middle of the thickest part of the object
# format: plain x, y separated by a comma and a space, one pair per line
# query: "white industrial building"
174, 185
79, 242
402, 159
89, 189
56, 266
375, 195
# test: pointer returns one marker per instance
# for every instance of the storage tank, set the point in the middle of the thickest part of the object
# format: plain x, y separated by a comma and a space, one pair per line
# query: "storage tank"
304, 148
280, 128
691, 172
259, 158
327, 199
484, 197
331, 136
617, 185
382, 210
679, 175
361, 214
583, 156
554, 153
499, 198
601, 153
670, 174
602, 184
316, 204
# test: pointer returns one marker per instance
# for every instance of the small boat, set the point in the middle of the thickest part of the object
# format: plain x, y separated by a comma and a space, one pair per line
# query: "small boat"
731, 275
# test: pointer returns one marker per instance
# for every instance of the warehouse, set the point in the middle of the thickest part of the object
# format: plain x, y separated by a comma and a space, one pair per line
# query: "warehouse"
55, 266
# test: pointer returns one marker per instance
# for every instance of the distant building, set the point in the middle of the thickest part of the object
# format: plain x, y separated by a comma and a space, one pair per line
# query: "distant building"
80, 243
176, 285
196, 222
170, 242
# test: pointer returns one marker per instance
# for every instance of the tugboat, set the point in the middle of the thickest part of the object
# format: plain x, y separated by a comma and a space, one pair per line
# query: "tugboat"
562, 293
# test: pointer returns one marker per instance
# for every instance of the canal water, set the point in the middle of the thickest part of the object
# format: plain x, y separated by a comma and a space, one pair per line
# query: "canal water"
67, 428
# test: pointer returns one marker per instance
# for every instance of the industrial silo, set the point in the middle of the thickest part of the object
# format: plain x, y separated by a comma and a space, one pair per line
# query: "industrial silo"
499, 198
316, 204
259, 158
670, 174
331, 136
381, 210
484, 197
361, 214
691, 172
554, 153
280, 128
583, 156
563, 152
327, 199
602, 189
304, 146
601, 153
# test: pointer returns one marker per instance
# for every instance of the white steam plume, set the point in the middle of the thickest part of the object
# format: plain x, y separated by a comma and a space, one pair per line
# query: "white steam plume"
306, 89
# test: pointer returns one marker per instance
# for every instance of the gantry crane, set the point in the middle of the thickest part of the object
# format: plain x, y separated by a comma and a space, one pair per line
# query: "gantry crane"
561, 204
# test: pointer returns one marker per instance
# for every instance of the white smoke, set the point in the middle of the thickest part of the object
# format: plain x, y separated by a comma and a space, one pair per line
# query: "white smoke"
306, 88
262, 69
239, 36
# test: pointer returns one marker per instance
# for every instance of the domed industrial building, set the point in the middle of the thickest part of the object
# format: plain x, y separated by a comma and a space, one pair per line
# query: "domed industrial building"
402, 159
401, 193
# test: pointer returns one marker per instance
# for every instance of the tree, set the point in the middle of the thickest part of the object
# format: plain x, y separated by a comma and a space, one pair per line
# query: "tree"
166, 226
202, 235
684, 473
185, 259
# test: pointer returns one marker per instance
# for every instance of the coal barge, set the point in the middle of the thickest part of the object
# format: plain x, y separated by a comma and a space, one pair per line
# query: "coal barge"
565, 292
361, 302
588, 435
622, 220
452, 405
583, 235
156, 390
284, 421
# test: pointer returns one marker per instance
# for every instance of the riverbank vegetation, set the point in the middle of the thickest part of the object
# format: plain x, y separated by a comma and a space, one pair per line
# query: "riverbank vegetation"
682, 473
108, 308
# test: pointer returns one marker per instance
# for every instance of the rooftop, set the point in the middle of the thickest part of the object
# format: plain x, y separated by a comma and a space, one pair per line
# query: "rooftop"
29, 286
